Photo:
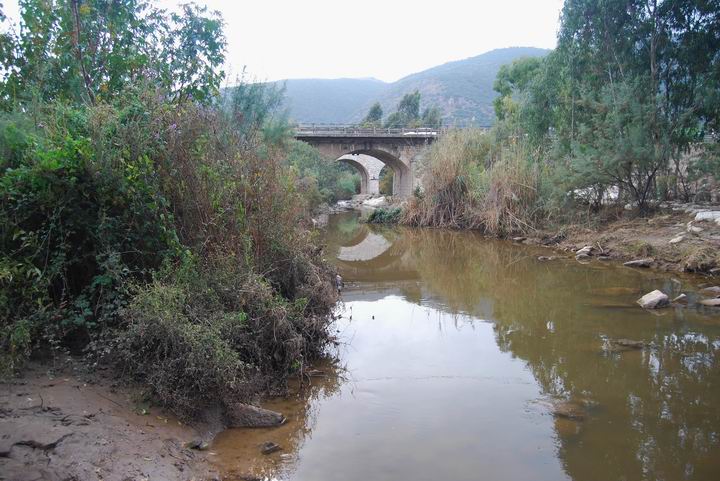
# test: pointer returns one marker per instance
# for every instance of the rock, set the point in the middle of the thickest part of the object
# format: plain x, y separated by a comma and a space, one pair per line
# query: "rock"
694, 229
707, 215
546, 258
269, 448
376, 202
628, 343
568, 410
550, 240
677, 240
198, 444
603, 258
585, 250
715, 271
639, 263
681, 299
582, 257
240, 415
518, 239
654, 300
711, 302
713, 291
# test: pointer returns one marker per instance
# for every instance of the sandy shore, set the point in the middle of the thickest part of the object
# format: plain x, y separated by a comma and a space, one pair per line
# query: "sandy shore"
61, 424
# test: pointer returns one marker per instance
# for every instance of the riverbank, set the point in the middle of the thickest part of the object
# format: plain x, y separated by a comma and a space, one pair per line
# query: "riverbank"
675, 239
70, 422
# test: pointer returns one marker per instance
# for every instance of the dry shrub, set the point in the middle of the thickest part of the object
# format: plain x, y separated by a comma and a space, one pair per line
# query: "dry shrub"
701, 259
470, 183
509, 200
211, 331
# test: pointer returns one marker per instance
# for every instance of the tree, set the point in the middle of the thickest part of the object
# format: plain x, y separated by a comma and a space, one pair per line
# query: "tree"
374, 116
408, 113
431, 117
88, 50
630, 89
512, 79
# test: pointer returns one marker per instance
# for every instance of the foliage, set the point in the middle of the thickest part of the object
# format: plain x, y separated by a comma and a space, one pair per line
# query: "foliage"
73, 231
322, 180
210, 330
143, 212
386, 178
93, 50
385, 216
625, 99
407, 113
374, 116
473, 182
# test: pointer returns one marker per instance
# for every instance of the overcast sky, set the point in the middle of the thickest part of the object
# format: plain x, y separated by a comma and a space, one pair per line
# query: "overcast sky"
385, 39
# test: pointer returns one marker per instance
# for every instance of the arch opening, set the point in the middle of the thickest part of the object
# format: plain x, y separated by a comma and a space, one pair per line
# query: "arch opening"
361, 169
371, 163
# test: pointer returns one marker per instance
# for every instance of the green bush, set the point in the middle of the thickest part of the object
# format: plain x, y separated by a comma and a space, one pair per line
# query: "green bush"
385, 216
71, 234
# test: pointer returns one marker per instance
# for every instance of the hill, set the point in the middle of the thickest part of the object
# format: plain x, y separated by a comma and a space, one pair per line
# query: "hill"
462, 89
330, 100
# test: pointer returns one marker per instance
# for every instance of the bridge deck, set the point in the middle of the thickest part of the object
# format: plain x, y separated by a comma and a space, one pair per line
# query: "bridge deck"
358, 131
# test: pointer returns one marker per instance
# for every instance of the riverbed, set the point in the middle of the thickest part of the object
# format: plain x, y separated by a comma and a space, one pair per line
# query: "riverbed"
463, 358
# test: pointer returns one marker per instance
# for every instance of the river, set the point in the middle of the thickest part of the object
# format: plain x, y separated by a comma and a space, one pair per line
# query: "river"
456, 356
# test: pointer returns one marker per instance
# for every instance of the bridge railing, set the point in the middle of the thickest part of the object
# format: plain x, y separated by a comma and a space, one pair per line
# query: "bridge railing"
348, 130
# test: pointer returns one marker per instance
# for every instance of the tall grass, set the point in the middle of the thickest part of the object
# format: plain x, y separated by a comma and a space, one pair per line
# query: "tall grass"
472, 181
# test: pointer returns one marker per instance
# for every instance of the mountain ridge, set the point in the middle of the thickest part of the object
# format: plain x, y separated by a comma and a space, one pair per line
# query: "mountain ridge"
462, 89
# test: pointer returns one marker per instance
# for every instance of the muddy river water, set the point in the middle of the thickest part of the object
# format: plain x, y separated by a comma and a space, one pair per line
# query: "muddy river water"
462, 358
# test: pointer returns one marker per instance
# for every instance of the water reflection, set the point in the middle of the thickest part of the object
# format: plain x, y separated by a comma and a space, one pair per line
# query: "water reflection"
433, 392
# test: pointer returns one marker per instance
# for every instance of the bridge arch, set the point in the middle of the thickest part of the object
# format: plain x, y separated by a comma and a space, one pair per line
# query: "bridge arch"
401, 149
402, 176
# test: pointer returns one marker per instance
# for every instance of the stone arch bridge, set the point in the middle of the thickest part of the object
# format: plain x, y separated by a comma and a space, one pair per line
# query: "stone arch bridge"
369, 149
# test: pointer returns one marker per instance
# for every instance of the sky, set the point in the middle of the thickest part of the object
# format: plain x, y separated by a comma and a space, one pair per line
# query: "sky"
384, 39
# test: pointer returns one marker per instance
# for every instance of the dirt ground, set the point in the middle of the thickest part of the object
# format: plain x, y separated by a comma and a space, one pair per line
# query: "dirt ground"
63, 424
696, 245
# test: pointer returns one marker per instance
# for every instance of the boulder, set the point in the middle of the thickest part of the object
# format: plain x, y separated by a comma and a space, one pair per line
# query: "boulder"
681, 299
269, 447
639, 263
240, 415
582, 256
694, 229
710, 215
713, 291
677, 240
619, 345
711, 302
587, 250
568, 410
518, 239
654, 300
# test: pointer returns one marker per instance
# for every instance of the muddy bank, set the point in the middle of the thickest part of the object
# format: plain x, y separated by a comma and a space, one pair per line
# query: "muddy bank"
671, 240
64, 423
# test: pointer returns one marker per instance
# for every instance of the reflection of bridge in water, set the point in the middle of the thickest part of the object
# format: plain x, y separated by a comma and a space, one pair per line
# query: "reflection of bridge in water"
373, 255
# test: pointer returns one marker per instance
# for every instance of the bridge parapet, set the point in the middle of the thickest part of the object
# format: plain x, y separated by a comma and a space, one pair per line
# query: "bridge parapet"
349, 130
